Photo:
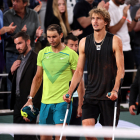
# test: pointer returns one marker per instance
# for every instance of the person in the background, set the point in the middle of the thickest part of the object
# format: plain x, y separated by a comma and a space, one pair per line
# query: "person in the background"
60, 17
135, 36
134, 93
3, 30
49, 12
26, 20
121, 23
72, 42
82, 20
70, 8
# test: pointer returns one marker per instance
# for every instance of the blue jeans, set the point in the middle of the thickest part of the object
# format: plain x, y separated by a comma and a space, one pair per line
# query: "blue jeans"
10, 58
136, 52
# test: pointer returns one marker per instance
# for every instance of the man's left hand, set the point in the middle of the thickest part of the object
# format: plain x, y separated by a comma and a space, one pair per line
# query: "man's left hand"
39, 31
113, 96
79, 111
26, 119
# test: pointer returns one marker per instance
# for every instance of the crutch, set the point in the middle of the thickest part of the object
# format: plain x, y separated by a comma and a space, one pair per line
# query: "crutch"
115, 108
67, 111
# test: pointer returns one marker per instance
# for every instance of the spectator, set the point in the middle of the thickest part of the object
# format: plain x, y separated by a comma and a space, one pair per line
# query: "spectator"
72, 42
42, 14
33, 4
135, 36
49, 11
21, 75
60, 17
82, 20
120, 25
3, 30
134, 93
26, 20
132, 2
49, 14
70, 8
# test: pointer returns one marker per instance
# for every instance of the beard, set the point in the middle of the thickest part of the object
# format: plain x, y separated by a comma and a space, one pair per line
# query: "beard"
120, 2
98, 30
55, 46
23, 51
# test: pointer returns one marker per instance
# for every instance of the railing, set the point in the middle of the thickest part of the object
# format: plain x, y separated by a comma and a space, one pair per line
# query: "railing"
131, 70
7, 111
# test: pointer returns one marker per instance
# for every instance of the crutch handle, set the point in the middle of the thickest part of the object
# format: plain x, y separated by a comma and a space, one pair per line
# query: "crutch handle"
68, 105
109, 94
67, 95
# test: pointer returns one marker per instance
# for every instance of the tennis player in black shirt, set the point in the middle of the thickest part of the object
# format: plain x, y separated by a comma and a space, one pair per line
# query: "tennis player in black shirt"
104, 54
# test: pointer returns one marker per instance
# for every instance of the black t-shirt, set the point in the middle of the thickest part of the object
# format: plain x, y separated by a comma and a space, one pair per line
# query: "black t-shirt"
135, 36
48, 14
82, 9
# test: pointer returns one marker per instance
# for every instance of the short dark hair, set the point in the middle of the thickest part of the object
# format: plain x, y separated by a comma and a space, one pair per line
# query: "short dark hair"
28, 2
22, 34
70, 36
55, 27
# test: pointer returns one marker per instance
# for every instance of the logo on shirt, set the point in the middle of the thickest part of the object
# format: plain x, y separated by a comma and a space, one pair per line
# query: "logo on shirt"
47, 57
62, 58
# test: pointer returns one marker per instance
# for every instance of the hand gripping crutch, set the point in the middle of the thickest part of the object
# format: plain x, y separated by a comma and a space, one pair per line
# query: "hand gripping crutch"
115, 108
67, 111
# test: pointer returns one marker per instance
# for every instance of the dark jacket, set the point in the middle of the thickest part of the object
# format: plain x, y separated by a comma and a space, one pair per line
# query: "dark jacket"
25, 82
135, 91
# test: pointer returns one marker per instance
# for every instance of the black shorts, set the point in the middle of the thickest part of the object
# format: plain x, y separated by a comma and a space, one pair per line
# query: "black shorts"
105, 108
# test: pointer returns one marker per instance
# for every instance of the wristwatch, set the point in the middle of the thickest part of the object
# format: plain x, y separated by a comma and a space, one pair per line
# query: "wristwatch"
29, 97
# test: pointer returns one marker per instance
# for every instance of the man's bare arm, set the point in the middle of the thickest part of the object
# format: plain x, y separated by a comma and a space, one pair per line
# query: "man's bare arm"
114, 29
81, 93
118, 52
84, 21
134, 23
79, 70
131, 26
35, 84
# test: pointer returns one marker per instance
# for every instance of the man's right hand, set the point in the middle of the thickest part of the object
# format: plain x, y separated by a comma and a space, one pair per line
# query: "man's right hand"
131, 109
15, 65
67, 99
29, 102
125, 10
